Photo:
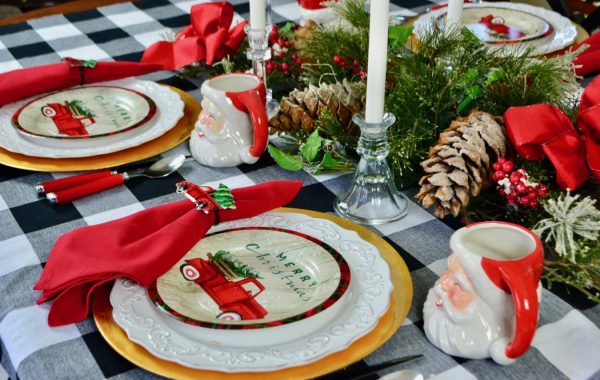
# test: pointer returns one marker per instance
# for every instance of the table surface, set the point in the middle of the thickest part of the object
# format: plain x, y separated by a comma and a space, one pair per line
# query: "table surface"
567, 344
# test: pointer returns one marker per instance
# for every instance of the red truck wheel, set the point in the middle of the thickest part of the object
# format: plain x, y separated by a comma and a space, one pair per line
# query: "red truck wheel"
229, 316
189, 272
48, 111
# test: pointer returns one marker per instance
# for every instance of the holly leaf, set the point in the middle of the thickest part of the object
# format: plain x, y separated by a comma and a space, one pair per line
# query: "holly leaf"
286, 30
333, 161
474, 91
311, 147
287, 27
328, 161
494, 75
471, 75
398, 35
285, 160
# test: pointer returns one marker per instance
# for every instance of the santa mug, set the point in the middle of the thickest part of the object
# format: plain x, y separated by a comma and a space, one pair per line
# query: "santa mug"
232, 128
486, 304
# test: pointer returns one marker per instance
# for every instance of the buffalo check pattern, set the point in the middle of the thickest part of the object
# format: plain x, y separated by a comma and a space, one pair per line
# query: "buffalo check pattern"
567, 343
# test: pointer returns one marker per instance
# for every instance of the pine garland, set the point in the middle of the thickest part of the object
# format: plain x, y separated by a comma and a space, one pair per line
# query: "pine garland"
441, 77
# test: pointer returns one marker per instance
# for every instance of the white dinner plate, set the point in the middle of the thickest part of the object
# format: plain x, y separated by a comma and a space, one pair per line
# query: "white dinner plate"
266, 349
169, 110
535, 34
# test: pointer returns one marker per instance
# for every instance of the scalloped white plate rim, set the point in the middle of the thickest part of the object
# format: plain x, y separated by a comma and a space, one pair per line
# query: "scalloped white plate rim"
357, 315
169, 110
564, 34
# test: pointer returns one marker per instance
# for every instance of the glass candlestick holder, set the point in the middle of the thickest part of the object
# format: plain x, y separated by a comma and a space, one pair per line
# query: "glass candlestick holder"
259, 53
372, 198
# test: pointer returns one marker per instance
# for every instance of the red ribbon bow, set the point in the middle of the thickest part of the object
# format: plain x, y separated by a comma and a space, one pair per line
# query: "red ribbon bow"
543, 130
208, 38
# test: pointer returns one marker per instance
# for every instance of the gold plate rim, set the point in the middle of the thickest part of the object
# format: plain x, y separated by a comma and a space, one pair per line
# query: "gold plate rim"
388, 324
175, 136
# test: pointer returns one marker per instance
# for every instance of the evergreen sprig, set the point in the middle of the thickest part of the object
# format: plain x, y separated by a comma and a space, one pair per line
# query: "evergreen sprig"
571, 229
348, 39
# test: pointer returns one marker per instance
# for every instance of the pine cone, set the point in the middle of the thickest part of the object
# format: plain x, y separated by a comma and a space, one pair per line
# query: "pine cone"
459, 166
299, 111
303, 33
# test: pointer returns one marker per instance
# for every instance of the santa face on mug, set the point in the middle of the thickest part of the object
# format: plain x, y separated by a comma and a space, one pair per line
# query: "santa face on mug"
218, 141
232, 126
457, 320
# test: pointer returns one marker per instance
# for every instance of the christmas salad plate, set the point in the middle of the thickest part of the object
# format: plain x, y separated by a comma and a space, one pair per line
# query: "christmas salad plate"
495, 25
253, 277
338, 287
85, 112
508, 26
124, 114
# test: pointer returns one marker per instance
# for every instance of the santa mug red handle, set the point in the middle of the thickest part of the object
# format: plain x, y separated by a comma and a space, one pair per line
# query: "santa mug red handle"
232, 128
253, 102
504, 259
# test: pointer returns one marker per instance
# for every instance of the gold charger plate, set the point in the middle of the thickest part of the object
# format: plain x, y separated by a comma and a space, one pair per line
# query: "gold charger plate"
176, 135
401, 299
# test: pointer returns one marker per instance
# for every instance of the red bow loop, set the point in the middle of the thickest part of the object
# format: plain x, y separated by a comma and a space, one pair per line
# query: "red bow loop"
208, 38
543, 130
588, 121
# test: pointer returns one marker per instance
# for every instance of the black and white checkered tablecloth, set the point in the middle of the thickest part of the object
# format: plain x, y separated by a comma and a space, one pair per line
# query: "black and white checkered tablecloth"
567, 343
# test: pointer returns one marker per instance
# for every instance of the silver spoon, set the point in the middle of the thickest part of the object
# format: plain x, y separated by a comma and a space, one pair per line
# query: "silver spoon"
159, 169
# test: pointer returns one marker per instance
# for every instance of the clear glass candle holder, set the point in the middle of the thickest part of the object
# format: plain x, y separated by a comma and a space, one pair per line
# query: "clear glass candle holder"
373, 197
259, 53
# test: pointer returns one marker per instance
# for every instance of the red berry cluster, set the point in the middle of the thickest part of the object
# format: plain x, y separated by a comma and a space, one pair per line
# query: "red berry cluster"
280, 49
514, 185
353, 68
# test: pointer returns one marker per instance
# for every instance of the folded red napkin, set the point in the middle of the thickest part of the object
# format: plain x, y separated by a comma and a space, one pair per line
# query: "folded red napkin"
589, 60
141, 247
24, 83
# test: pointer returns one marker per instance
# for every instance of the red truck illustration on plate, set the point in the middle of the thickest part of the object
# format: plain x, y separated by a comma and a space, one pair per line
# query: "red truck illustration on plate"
236, 299
71, 118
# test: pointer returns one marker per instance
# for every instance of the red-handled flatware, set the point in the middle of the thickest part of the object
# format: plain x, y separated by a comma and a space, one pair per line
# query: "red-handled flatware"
76, 192
64, 183
160, 168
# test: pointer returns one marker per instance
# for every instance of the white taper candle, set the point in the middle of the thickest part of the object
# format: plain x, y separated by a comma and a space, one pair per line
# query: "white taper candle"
454, 15
376, 69
258, 14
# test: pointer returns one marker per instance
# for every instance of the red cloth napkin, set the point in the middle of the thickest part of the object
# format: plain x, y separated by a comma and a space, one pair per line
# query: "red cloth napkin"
24, 83
141, 247
208, 38
589, 60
